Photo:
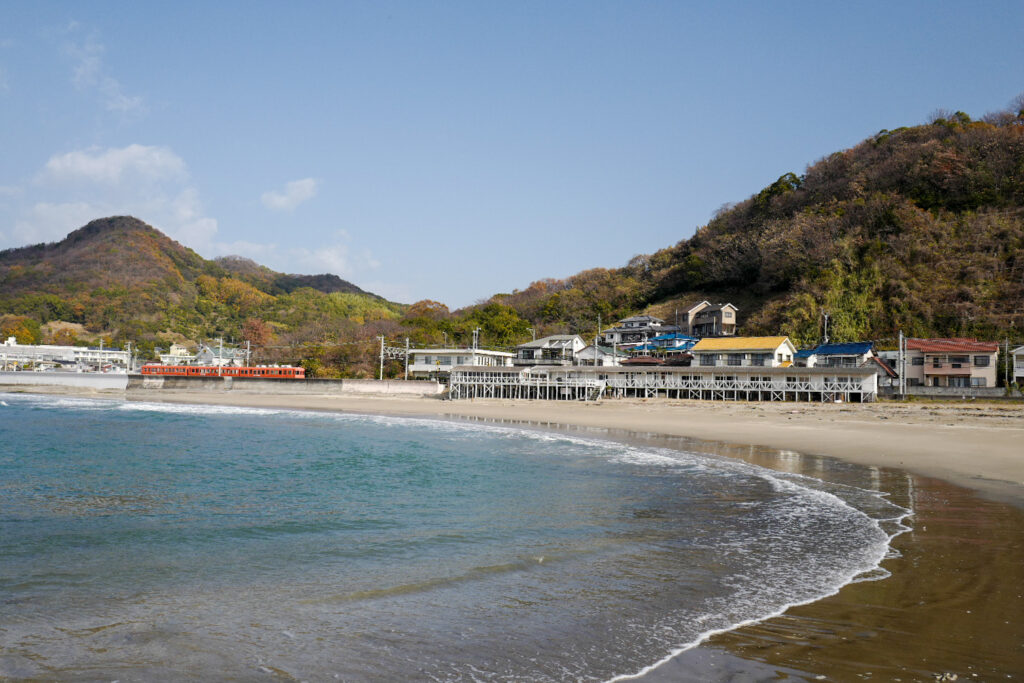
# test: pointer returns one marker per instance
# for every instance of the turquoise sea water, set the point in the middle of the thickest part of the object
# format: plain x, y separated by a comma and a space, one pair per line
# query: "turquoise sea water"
153, 541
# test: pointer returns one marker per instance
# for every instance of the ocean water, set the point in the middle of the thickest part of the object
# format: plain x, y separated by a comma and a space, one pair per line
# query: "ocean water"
163, 542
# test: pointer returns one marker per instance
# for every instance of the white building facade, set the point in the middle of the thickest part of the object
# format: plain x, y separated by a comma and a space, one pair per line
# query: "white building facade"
15, 356
429, 363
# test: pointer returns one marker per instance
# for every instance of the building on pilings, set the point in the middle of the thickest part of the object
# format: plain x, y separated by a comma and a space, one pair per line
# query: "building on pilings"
751, 383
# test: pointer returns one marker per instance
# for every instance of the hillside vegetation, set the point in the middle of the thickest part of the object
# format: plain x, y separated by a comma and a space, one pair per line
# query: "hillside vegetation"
918, 228
122, 280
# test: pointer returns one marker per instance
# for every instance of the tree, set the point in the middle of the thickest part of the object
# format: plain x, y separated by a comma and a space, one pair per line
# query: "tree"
257, 332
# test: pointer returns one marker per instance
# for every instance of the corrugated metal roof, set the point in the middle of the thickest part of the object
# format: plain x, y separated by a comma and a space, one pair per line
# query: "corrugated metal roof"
952, 345
739, 344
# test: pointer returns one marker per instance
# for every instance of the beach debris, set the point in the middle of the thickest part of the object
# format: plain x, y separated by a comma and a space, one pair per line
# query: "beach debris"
946, 677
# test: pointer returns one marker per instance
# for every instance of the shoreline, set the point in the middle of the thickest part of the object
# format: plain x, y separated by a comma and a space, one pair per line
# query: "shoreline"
952, 602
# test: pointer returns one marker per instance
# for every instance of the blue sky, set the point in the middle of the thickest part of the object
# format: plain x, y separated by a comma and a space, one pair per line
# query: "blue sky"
453, 150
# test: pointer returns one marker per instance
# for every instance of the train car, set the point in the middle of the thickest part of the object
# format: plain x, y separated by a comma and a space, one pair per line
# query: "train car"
261, 372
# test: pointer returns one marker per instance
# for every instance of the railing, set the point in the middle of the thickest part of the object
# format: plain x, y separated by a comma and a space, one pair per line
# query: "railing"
732, 363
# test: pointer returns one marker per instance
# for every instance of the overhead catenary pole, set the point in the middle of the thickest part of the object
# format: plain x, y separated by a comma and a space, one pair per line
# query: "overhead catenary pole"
1006, 365
407, 358
902, 361
381, 376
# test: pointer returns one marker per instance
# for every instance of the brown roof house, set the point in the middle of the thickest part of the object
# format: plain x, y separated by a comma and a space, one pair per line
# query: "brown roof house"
951, 363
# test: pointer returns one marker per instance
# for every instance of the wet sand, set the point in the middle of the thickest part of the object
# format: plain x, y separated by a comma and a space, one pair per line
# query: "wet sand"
954, 604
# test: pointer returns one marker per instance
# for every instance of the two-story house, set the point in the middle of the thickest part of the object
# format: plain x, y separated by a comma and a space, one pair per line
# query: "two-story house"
711, 320
558, 349
636, 330
769, 352
951, 363
842, 355
1018, 365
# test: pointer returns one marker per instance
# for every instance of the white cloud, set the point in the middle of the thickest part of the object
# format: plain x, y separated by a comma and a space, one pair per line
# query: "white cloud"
295, 192
76, 187
89, 74
51, 221
110, 166
338, 258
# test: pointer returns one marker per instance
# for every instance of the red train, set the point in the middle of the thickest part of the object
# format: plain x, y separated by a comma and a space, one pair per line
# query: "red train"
285, 372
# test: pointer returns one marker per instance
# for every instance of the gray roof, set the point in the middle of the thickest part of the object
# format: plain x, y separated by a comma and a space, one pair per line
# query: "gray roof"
554, 340
641, 318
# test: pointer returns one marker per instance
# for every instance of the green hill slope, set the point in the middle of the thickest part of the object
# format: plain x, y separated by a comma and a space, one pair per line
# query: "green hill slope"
920, 229
125, 280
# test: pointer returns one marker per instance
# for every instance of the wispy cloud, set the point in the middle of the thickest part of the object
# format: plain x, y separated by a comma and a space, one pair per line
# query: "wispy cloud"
90, 74
295, 192
113, 165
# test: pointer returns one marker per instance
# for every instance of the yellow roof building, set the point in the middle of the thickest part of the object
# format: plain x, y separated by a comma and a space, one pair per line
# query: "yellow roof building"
738, 344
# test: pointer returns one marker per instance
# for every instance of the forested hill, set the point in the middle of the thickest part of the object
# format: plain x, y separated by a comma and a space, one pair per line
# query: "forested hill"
125, 280
918, 228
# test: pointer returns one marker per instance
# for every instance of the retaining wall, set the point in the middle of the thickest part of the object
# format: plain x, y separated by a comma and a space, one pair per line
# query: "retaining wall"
78, 380
137, 384
947, 392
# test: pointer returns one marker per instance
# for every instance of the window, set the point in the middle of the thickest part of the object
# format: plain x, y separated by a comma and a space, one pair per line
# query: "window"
978, 381
917, 360
981, 361
707, 359
735, 359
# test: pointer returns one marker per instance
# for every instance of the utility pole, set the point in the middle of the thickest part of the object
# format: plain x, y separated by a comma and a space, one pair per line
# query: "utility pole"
248, 353
381, 377
406, 358
220, 359
1006, 373
826, 328
902, 361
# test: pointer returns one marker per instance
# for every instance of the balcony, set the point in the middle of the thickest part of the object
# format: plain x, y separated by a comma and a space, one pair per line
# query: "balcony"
948, 369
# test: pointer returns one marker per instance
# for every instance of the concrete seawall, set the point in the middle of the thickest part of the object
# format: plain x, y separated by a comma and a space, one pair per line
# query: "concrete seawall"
139, 386
84, 380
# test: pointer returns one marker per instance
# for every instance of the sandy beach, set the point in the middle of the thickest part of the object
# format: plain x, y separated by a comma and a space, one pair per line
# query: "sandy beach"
953, 603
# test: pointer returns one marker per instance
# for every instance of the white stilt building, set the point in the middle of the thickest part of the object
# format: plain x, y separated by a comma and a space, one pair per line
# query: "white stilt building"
856, 385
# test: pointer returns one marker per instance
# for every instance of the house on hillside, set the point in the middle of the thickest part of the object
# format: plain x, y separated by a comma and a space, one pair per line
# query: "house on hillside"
557, 349
636, 330
711, 320
438, 362
951, 363
769, 352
